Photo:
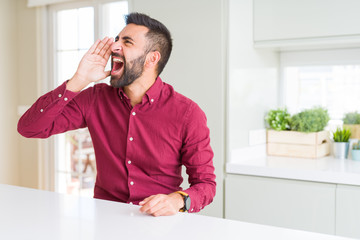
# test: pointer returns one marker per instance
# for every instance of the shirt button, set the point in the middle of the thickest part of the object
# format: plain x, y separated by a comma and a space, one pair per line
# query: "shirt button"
60, 95
65, 99
192, 210
131, 139
152, 100
131, 183
134, 113
129, 162
41, 110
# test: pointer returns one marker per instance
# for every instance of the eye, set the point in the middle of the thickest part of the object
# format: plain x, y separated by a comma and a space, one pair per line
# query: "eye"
116, 39
127, 42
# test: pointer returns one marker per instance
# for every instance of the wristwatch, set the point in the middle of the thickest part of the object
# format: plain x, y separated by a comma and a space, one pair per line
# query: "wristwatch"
187, 201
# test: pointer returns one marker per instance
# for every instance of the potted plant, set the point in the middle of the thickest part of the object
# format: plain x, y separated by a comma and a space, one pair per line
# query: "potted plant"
341, 142
301, 135
278, 119
310, 120
352, 122
355, 152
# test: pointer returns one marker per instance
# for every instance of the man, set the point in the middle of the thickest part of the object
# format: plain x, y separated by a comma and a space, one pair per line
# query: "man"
142, 130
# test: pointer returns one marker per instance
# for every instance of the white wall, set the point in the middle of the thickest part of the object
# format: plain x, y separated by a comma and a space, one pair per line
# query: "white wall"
8, 93
253, 76
27, 90
197, 66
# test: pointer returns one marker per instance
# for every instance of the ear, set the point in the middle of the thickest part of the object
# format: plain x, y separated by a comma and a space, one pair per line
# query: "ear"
152, 59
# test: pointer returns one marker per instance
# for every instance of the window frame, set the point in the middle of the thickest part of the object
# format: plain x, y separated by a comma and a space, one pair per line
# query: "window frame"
313, 58
46, 22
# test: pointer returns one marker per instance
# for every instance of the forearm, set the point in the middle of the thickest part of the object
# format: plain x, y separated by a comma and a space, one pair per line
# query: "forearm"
197, 157
44, 118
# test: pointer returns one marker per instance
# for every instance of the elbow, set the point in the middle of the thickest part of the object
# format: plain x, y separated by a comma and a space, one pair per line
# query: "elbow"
22, 129
29, 131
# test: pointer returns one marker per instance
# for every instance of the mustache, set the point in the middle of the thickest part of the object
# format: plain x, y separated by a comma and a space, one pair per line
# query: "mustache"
118, 55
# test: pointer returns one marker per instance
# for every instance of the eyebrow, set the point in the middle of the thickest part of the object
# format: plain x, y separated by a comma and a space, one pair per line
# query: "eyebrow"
128, 38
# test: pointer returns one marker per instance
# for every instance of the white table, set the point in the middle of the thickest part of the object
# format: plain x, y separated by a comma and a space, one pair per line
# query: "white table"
34, 214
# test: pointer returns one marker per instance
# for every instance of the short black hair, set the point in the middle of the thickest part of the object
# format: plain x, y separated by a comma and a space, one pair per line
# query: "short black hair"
159, 36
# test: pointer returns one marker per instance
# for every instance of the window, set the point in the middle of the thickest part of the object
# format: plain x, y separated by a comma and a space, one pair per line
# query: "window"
75, 27
330, 79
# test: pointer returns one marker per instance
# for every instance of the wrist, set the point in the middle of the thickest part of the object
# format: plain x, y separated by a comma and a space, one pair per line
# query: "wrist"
178, 200
76, 83
186, 201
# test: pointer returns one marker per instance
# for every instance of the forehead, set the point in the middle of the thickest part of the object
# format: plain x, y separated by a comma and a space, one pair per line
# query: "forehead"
136, 32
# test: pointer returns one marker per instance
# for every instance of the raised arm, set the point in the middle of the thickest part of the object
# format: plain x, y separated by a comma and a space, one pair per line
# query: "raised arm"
65, 108
92, 65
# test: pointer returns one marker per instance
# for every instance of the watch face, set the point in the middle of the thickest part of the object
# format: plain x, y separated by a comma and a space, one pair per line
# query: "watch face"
187, 203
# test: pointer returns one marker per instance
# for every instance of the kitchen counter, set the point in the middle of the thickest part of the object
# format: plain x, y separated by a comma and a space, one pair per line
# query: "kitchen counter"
34, 214
327, 169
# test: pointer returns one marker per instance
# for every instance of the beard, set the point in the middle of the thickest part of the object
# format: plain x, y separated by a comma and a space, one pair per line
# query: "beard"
132, 71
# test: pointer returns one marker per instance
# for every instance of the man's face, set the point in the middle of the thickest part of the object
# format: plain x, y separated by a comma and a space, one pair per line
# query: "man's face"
128, 55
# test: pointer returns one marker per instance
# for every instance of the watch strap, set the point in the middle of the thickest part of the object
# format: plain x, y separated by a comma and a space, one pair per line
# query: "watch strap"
185, 198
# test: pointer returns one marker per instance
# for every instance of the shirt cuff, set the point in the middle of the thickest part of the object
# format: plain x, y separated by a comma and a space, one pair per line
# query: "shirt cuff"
63, 95
194, 206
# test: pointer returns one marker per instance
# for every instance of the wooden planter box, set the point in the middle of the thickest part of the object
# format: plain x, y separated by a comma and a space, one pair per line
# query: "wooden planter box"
298, 144
355, 130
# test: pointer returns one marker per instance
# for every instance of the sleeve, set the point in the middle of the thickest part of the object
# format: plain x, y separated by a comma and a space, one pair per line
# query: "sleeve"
55, 112
197, 157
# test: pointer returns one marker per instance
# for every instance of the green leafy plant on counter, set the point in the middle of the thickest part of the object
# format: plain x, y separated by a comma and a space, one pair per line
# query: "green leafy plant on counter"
341, 135
278, 119
310, 120
352, 118
356, 146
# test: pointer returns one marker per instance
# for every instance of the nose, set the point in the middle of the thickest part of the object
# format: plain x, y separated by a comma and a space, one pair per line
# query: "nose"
116, 47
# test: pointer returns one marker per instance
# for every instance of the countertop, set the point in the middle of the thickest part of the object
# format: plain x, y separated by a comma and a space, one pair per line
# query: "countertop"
326, 169
34, 214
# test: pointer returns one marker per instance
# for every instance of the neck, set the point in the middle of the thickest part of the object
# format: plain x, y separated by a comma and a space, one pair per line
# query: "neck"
138, 88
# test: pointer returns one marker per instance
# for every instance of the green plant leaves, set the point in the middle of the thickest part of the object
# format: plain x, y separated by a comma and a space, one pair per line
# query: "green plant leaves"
278, 119
341, 135
352, 118
356, 146
310, 120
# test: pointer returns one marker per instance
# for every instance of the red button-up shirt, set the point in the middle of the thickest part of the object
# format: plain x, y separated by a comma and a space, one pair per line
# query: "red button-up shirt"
139, 150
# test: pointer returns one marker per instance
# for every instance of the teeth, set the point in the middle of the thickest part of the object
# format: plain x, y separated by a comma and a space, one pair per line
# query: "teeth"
117, 60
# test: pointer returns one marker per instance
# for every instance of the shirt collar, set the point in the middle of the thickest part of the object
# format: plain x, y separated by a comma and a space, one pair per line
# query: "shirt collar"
154, 91
152, 94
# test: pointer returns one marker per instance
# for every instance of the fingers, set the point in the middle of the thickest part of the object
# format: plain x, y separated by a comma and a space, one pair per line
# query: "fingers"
108, 52
148, 203
107, 47
158, 205
101, 45
93, 47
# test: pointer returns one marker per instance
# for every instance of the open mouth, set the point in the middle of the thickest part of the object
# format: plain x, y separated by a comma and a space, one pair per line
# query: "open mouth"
117, 65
